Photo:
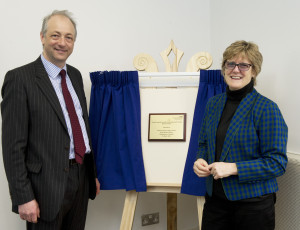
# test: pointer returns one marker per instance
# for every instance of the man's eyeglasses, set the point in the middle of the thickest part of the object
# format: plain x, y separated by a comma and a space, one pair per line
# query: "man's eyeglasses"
241, 66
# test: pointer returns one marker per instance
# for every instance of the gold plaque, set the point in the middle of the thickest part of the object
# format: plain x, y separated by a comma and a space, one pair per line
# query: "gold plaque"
167, 126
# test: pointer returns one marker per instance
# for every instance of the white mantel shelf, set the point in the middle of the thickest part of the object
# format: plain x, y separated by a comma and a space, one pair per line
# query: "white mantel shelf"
169, 79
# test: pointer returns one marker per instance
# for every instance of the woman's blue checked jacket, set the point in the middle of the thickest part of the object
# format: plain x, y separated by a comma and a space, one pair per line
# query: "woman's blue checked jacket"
256, 141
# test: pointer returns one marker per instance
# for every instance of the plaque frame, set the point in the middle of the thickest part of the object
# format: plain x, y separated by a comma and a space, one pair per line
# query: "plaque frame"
181, 139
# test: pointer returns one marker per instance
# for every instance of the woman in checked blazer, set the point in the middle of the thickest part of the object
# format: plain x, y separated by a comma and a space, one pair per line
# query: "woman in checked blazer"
242, 147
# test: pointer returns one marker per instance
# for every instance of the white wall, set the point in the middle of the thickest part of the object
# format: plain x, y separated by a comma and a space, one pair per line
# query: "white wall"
112, 32
274, 26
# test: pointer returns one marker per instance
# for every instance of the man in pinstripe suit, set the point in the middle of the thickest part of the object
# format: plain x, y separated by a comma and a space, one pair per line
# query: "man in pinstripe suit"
48, 187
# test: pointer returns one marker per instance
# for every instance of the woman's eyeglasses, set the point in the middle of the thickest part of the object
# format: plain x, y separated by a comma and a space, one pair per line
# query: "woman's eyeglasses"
241, 66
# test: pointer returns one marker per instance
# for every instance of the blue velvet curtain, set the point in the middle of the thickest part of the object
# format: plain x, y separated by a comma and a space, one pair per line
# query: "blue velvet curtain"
115, 119
211, 83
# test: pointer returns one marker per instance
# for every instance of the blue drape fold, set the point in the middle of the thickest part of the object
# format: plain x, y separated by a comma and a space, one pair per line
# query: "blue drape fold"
211, 83
115, 119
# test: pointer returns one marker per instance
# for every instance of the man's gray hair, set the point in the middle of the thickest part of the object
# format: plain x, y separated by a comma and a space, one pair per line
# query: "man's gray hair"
58, 12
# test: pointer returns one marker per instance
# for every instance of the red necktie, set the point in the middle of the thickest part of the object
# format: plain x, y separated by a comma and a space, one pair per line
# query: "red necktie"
79, 146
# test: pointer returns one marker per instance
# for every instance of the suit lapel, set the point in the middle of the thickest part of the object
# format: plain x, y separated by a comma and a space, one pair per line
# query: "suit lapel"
81, 97
78, 90
44, 83
242, 111
218, 108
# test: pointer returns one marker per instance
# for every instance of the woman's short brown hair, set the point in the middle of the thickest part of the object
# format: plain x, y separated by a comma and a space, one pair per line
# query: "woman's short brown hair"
246, 49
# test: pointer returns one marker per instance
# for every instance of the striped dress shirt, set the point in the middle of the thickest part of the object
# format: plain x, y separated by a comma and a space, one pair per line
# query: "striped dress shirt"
53, 73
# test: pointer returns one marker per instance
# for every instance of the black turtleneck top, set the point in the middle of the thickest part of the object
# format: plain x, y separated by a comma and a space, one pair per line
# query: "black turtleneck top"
233, 100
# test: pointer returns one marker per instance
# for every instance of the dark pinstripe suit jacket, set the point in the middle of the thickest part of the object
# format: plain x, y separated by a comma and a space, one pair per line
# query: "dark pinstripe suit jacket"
35, 139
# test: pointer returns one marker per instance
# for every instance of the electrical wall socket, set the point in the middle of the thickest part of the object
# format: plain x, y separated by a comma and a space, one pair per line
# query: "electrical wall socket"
149, 219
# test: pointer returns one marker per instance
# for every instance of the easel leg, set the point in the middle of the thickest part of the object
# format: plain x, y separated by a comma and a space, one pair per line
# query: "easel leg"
200, 204
171, 211
129, 210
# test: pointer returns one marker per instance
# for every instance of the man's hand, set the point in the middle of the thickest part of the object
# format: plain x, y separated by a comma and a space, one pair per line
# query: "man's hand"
97, 187
201, 168
29, 211
221, 169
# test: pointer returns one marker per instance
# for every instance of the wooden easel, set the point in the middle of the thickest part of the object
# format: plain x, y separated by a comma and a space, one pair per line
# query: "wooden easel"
172, 191
144, 62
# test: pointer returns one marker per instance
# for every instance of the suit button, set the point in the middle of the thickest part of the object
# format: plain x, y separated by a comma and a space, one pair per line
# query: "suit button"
66, 169
67, 148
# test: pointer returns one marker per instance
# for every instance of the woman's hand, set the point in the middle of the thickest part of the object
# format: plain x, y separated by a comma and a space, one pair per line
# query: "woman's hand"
221, 169
201, 168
